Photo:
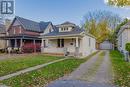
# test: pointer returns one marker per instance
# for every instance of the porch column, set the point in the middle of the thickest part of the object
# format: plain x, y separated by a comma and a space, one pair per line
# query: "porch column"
15, 44
42, 45
77, 42
77, 47
8, 43
34, 42
21, 44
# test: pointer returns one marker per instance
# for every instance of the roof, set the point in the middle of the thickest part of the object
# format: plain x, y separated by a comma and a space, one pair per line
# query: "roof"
2, 28
126, 26
32, 25
67, 23
75, 31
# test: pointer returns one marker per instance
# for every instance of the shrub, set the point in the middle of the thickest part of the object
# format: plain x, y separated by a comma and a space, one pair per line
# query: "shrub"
30, 48
127, 47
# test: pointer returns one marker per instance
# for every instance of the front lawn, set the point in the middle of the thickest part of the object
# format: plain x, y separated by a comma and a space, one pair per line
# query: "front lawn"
121, 69
11, 65
40, 77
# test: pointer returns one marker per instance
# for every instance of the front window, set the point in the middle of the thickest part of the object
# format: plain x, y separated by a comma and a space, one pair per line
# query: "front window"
60, 42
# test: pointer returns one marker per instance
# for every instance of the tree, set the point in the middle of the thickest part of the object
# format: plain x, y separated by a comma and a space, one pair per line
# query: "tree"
120, 25
119, 3
113, 34
100, 23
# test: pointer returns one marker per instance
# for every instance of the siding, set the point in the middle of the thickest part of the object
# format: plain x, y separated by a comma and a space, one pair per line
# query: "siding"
123, 38
86, 48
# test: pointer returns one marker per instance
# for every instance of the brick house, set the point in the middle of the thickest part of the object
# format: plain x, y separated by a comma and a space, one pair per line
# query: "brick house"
24, 33
2, 33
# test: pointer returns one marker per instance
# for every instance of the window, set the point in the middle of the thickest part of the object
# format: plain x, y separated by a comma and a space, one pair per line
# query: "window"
49, 30
64, 29
89, 41
60, 42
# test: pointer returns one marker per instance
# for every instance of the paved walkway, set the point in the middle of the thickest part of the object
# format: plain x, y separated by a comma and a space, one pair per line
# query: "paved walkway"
29, 69
96, 72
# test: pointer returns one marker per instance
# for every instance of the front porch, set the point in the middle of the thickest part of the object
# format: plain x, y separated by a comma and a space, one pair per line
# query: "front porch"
22, 44
67, 46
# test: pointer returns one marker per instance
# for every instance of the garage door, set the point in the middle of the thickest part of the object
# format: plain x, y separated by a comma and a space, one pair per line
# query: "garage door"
106, 45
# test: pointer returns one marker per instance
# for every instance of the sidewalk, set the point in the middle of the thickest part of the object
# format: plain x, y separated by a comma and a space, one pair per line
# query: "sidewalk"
29, 69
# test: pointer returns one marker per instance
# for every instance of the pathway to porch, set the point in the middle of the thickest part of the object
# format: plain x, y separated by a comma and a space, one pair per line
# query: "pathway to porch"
96, 72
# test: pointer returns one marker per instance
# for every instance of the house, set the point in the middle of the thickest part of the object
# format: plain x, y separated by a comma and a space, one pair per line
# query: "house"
23, 34
68, 39
123, 37
2, 33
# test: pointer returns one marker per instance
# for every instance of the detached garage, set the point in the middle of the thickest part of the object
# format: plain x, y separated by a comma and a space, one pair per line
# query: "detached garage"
106, 45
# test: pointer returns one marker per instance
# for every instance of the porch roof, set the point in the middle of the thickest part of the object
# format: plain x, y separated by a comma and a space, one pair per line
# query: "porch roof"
19, 37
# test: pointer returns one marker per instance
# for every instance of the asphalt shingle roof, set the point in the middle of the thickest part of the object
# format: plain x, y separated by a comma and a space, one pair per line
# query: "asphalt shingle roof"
75, 31
67, 23
32, 25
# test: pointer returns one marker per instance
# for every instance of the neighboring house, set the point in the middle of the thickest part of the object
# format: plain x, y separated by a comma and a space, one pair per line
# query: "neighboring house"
105, 45
2, 33
25, 33
68, 39
123, 37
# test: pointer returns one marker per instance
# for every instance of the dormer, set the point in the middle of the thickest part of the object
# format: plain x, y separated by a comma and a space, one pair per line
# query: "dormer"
66, 27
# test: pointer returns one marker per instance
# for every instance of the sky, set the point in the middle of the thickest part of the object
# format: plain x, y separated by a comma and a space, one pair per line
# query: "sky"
59, 11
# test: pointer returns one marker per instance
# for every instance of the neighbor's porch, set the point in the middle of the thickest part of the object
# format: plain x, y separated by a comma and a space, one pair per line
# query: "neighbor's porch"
69, 46
23, 44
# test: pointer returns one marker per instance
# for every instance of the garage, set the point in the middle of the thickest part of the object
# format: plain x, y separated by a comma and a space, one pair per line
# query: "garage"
106, 45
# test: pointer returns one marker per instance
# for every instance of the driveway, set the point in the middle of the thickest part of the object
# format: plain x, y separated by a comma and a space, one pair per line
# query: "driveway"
96, 72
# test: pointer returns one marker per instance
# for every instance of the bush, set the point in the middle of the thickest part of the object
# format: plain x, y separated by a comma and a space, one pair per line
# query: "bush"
30, 48
127, 47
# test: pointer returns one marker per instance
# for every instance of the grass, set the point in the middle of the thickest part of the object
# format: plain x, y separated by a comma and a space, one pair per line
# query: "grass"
40, 77
121, 69
14, 64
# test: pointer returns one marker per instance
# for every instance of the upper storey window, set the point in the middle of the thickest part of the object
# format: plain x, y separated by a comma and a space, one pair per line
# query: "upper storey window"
65, 29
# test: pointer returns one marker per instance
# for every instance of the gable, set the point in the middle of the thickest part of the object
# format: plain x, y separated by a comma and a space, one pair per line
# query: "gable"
48, 29
16, 23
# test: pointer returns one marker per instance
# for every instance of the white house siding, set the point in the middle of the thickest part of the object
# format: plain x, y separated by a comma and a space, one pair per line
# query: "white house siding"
123, 38
52, 46
86, 48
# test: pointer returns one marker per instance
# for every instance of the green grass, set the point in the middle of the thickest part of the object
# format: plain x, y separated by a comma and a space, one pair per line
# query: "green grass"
40, 77
44, 75
14, 64
121, 69
102, 54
